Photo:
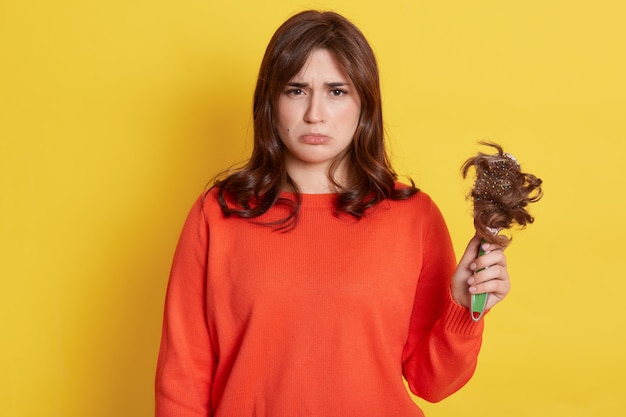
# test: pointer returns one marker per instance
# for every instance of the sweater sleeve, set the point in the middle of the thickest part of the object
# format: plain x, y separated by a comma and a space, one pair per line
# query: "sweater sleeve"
186, 361
442, 348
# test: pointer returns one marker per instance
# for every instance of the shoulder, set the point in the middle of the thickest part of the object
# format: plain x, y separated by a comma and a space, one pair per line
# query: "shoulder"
420, 199
205, 206
208, 203
419, 209
209, 197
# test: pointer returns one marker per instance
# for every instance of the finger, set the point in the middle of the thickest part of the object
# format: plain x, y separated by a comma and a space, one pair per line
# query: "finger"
471, 251
493, 272
497, 286
488, 247
494, 257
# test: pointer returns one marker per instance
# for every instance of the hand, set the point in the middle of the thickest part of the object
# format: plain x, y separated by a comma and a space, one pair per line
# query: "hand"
492, 278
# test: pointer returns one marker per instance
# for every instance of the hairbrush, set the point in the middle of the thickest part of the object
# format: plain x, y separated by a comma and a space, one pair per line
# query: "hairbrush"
500, 195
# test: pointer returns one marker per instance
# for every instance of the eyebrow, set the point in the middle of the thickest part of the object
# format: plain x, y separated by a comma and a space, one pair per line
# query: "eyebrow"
331, 85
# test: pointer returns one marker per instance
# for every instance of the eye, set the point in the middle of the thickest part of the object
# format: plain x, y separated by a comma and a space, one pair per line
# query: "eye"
294, 92
337, 92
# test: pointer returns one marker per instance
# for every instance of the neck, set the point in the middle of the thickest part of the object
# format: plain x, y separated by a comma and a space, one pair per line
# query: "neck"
313, 179
309, 185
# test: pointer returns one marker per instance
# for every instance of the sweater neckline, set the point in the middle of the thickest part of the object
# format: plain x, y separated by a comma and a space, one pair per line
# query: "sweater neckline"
313, 200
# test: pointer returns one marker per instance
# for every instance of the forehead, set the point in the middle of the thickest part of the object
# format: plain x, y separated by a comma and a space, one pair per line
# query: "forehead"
322, 62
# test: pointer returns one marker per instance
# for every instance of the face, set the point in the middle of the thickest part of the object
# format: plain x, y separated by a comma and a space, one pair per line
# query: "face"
317, 114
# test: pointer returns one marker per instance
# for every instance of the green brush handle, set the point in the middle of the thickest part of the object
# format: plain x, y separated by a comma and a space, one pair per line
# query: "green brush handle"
479, 301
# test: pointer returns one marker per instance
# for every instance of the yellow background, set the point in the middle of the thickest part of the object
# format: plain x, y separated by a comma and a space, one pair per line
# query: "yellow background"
115, 114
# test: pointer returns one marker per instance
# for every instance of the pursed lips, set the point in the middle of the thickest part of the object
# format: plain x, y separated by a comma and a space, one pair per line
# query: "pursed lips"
314, 138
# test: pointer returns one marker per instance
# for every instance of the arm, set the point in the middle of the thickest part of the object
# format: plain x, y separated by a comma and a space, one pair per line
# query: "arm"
186, 360
443, 344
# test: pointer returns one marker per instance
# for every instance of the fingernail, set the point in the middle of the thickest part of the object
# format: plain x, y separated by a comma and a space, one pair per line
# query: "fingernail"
470, 281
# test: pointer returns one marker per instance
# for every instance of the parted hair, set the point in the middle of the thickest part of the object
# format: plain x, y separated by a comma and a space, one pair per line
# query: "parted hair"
253, 189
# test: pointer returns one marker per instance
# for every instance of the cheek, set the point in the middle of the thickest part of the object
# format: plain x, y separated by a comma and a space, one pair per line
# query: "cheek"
351, 118
284, 119
352, 113
285, 108
283, 131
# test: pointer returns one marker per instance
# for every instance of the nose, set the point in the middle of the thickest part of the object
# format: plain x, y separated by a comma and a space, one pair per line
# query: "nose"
315, 110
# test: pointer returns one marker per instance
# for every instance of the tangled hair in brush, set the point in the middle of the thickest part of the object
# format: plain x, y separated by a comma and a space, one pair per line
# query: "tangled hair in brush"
501, 193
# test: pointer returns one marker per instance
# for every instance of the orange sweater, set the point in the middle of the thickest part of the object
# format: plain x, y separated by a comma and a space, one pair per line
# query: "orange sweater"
322, 321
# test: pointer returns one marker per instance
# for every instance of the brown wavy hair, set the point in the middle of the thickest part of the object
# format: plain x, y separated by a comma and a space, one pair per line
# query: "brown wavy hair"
501, 194
256, 187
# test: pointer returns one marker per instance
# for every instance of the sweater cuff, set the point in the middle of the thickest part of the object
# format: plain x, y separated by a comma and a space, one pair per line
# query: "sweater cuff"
457, 319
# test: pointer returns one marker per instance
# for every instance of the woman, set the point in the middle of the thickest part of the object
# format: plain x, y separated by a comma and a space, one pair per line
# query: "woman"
310, 282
